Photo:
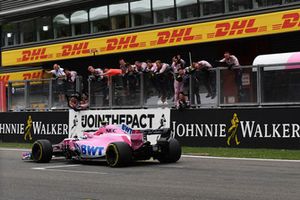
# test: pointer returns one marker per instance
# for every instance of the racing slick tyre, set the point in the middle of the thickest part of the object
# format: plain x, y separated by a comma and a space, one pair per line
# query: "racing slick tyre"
118, 154
170, 152
42, 151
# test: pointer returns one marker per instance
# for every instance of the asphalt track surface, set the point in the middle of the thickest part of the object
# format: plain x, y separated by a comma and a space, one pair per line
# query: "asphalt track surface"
190, 178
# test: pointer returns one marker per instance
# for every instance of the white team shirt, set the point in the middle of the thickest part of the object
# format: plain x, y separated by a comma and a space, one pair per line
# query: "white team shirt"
58, 73
205, 64
232, 60
72, 77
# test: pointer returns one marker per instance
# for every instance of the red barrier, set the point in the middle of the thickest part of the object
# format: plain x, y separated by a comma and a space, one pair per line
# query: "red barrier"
2, 96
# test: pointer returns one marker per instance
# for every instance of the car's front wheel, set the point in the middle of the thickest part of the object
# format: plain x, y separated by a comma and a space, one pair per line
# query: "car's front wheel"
118, 154
42, 151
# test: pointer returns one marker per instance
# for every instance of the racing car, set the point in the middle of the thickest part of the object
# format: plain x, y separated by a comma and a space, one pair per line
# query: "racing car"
118, 144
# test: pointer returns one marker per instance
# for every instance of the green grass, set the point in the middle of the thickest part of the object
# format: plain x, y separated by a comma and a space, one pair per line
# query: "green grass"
244, 153
15, 145
208, 151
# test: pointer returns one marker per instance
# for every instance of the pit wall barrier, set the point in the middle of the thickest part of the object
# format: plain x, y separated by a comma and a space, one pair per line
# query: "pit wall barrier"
228, 127
26, 127
238, 128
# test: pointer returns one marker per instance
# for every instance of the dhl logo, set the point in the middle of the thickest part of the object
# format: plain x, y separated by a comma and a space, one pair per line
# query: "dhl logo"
121, 43
177, 35
4, 78
28, 75
291, 20
35, 54
34, 75
235, 28
75, 49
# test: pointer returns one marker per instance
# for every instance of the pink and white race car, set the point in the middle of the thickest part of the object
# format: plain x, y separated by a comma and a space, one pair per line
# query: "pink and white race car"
118, 144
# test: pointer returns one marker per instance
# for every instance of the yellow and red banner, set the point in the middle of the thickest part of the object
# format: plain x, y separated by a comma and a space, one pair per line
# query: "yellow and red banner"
22, 75
271, 23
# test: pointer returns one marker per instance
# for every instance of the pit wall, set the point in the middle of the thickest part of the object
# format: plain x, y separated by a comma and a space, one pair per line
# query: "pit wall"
230, 127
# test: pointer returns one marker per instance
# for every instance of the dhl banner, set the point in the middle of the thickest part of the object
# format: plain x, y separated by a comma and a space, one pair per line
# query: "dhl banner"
271, 23
23, 75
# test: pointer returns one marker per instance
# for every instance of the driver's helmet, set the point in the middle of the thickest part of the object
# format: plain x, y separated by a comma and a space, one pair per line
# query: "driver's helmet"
102, 129
104, 123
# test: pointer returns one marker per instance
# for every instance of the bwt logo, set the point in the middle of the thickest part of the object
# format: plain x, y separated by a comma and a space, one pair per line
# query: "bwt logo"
126, 129
75, 49
91, 150
34, 75
236, 28
176, 35
35, 54
122, 43
291, 20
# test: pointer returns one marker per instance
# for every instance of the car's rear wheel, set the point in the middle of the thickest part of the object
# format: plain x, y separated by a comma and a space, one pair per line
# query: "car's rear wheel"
42, 151
170, 152
118, 154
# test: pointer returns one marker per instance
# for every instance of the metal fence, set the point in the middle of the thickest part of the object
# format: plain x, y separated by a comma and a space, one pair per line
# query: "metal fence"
257, 86
40, 95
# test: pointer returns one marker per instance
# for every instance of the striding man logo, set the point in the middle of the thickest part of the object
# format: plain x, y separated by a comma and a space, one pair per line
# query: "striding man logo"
162, 122
28, 129
232, 131
75, 122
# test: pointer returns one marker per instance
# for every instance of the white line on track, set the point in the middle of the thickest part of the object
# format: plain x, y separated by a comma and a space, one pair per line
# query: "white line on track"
168, 166
72, 171
54, 166
55, 169
247, 159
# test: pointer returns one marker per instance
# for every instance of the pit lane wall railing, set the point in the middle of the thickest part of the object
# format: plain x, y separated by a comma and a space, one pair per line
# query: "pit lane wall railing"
257, 86
40, 94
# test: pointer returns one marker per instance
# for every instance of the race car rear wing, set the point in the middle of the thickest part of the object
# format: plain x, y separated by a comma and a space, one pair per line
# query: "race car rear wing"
165, 133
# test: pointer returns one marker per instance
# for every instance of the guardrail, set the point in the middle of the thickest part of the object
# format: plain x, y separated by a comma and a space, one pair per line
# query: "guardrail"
262, 85
42, 94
